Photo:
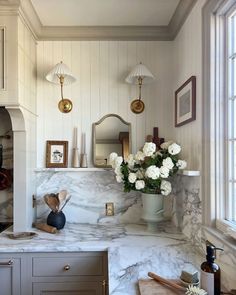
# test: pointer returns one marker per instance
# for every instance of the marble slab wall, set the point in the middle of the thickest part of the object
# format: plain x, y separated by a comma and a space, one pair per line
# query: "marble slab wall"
89, 191
187, 207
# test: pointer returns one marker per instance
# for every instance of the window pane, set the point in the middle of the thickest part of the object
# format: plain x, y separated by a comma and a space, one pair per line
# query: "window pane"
230, 160
232, 206
234, 77
233, 33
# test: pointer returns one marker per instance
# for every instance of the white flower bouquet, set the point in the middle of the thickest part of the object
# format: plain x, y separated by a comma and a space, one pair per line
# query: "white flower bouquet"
149, 169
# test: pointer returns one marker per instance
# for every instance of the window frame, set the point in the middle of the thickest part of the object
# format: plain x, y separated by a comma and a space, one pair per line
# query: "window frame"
214, 124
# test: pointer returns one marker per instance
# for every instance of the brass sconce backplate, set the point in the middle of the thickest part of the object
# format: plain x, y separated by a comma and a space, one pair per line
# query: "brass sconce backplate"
65, 105
137, 106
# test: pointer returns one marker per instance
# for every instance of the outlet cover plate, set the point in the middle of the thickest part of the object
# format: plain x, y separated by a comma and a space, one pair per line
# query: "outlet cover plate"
109, 209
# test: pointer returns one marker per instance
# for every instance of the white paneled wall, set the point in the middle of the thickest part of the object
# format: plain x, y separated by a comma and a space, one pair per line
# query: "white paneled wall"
100, 68
26, 68
187, 61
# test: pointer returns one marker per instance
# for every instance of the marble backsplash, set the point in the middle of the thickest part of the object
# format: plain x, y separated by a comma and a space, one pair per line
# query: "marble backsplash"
91, 190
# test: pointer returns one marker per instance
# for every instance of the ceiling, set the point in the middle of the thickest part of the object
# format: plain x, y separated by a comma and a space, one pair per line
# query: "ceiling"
139, 20
105, 12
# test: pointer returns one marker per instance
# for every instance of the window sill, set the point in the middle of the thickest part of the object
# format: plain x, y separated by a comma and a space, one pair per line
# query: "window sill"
220, 238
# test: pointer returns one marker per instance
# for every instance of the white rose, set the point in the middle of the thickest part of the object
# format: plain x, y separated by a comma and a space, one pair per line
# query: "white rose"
139, 156
166, 144
149, 149
152, 172
119, 178
181, 164
139, 184
132, 177
118, 161
164, 172
130, 161
174, 149
118, 171
112, 158
168, 163
165, 187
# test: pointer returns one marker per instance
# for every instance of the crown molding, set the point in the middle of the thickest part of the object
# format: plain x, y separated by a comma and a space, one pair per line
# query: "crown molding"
135, 33
105, 33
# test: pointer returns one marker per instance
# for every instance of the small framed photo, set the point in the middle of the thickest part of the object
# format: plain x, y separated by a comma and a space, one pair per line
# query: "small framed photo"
185, 102
56, 154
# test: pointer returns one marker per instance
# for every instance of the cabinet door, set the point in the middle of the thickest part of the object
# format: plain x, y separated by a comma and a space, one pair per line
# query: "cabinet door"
10, 276
69, 288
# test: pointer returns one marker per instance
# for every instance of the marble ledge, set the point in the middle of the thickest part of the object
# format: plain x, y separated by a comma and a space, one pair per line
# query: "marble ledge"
88, 169
96, 169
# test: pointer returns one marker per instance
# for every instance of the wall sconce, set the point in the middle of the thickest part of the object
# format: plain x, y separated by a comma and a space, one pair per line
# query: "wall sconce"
139, 75
61, 74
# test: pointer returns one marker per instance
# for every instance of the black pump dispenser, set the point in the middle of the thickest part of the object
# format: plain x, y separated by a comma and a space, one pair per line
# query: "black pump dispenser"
210, 271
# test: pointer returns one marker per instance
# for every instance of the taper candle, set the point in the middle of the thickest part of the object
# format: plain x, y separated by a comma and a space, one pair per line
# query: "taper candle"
75, 137
84, 140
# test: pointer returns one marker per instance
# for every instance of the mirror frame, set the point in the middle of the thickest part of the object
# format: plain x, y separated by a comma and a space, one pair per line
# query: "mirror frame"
94, 137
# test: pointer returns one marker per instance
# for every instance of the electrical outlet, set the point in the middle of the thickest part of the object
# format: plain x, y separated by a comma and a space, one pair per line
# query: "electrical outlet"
109, 209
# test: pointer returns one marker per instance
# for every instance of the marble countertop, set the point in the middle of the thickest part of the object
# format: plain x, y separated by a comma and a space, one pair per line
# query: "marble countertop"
132, 251
92, 237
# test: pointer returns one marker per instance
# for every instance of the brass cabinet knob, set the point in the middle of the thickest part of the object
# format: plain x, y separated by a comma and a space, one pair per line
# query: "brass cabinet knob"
67, 267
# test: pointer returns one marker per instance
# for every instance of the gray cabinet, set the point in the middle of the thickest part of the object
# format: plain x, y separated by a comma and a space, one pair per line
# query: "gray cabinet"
60, 273
81, 288
76, 273
10, 283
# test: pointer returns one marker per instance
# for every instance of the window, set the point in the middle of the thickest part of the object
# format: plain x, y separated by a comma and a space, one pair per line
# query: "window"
219, 115
231, 126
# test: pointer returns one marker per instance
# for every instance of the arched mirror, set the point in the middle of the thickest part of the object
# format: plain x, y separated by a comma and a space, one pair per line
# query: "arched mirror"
110, 134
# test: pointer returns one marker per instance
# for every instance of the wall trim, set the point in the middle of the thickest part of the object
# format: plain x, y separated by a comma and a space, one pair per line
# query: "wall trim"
123, 33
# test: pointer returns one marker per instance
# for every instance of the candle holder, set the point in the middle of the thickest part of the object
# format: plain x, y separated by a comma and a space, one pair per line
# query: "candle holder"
84, 163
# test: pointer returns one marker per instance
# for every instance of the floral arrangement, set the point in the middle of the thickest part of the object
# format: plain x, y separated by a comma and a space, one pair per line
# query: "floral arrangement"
149, 169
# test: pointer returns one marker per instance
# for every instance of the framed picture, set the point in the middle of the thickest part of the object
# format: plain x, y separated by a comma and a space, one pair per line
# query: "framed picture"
185, 102
56, 154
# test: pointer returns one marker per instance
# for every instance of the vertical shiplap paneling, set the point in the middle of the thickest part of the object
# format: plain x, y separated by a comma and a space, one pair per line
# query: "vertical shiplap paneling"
51, 97
141, 121
132, 92
41, 120
113, 77
95, 81
187, 56
86, 93
75, 94
123, 94
101, 68
66, 119
104, 77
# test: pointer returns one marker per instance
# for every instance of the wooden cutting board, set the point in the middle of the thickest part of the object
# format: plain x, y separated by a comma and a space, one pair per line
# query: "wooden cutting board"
151, 287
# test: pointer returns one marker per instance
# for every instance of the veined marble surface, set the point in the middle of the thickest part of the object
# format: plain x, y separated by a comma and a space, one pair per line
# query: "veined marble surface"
89, 191
187, 207
132, 251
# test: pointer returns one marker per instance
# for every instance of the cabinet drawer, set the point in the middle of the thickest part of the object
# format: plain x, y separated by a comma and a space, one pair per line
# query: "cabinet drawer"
69, 265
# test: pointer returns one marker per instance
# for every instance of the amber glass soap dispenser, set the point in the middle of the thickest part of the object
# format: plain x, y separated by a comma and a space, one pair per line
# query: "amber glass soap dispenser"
210, 272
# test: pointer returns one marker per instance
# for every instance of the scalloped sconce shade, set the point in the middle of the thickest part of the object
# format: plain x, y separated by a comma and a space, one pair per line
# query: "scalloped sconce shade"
140, 70
59, 70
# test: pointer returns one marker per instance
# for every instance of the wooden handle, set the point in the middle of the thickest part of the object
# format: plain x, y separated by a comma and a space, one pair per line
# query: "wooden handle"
165, 281
45, 227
